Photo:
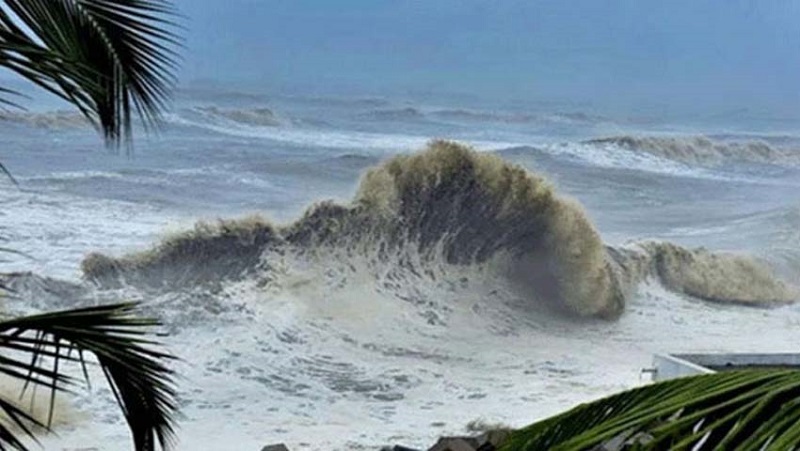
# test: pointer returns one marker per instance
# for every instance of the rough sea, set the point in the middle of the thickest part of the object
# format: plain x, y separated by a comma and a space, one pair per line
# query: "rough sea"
329, 344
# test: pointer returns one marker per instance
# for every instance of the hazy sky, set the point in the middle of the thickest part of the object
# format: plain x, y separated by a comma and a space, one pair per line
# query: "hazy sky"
704, 54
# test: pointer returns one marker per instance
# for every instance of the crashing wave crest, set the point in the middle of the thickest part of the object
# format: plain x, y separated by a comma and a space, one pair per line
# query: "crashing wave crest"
700, 273
702, 151
450, 206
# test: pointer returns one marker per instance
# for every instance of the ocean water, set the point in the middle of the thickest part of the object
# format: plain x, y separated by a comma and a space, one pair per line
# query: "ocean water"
355, 342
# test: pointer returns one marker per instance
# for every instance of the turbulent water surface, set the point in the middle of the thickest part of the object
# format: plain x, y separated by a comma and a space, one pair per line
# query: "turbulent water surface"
345, 273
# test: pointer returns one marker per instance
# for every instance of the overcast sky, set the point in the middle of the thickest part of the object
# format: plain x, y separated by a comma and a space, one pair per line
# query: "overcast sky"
717, 53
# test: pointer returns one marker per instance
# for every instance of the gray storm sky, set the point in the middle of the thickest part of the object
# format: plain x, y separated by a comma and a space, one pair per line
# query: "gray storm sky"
702, 55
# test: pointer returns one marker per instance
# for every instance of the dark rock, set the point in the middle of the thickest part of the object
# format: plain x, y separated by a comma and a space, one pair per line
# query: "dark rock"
278, 447
455, 444
488, 441
492, 440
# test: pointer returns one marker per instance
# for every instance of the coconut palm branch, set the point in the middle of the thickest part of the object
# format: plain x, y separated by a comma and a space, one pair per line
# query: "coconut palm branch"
745, 410
108, 58
111, 59
36, 349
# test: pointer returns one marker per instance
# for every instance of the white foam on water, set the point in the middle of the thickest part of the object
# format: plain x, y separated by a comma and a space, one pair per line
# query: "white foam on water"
612, 156
323, 358
52, 231
287, 369
333, 139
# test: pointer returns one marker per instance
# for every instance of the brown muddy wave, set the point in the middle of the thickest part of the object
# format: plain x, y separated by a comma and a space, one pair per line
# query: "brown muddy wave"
702, 151
712, 276
450, 205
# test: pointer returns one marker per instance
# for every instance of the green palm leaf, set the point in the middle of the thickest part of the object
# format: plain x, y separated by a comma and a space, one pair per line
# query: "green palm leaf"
36, 347
107, 57
745, 410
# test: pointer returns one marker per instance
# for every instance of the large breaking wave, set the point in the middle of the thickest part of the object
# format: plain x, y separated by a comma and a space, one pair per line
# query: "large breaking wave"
436, 214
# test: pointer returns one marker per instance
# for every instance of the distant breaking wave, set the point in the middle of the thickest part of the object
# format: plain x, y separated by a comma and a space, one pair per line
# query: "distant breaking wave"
245, 123
400, 114
702, 151
49, 119
438, 215
251, 116
516, 118
480, 116
258, 117
262, 117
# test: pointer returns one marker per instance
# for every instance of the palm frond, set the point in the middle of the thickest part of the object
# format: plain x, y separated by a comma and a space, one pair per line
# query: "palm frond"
748, 410
5, 102
22, 420
6, 172
107, 57
37, 346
